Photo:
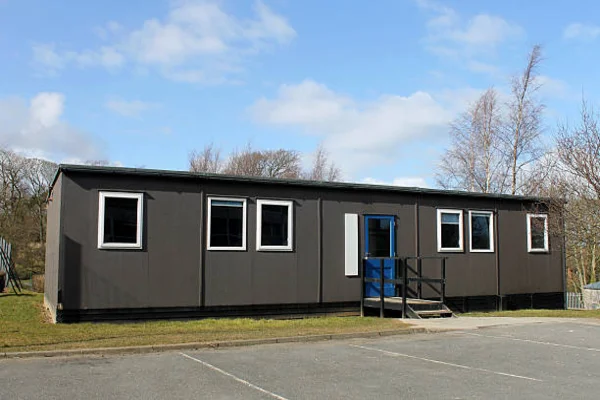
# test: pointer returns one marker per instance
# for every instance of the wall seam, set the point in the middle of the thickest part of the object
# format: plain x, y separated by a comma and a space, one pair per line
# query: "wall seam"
202, 272
320, 249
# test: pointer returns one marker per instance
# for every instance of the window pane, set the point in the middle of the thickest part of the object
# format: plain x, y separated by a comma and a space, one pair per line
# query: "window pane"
538, 228
450, 218
226, 223
120, 220
480, 231
274, 229
379, 237
450, 236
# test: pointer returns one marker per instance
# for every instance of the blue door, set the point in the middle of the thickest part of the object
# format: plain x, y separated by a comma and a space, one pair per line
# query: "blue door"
379, 242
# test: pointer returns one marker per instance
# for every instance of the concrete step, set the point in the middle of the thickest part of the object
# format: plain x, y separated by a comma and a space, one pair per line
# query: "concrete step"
434, 313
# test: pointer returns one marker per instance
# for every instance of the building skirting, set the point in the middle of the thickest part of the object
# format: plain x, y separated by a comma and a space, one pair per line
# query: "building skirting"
252, 311
505, 302
456, 304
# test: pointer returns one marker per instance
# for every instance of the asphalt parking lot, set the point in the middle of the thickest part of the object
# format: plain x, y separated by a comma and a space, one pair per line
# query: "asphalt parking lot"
529, 361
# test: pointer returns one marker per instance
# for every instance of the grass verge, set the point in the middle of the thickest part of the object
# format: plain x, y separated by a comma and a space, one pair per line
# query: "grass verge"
538, 313
23, 327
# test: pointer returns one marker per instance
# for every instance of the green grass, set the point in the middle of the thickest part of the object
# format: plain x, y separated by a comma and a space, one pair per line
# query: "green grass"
24, 327
538, 313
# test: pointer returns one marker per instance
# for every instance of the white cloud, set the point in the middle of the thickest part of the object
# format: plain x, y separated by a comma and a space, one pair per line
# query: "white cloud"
356, 133
109, 29
406, 181
449, 35
552, 87
50, 61
37, 129
132, 108
581, 31
196, 42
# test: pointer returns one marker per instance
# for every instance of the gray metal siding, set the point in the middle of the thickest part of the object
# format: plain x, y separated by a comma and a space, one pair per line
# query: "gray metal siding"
523, 272
468, 274
165, 273
265, 277
53, 230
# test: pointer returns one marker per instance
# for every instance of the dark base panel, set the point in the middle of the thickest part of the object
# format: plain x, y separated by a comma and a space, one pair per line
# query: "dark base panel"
472, 303
283, 311
509, 302
535, 301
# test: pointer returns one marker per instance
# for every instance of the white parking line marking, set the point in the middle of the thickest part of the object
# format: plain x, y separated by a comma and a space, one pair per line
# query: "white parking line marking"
394, 354
234, 377
568, 346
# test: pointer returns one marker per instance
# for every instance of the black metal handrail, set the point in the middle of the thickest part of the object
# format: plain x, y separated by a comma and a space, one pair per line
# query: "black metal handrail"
401, 264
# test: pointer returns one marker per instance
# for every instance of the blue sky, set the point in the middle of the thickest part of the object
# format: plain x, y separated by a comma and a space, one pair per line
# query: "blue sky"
143, 82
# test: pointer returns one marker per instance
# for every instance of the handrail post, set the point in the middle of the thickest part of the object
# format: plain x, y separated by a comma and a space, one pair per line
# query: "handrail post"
396, 274
381, 287
404, 284
420, 275
443, 280
362, 287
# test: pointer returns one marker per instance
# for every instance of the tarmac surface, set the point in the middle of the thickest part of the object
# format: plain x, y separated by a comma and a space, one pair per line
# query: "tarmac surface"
524, 359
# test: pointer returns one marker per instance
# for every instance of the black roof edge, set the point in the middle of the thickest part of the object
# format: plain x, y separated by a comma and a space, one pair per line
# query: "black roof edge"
291, 182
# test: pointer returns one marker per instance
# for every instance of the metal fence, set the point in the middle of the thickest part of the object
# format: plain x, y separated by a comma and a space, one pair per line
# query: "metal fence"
575, 301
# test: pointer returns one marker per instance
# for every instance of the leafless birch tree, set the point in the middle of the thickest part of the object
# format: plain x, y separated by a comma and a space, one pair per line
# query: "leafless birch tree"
474, 161
523, 129
323, 169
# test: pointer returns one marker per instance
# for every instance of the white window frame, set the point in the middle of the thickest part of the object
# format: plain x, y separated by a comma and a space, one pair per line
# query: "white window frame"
140, 225
546, 244
461, 239
490, 214
259, 205
244, 224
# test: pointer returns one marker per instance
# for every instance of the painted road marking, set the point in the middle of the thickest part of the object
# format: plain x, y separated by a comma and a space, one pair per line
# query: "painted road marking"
568, 346
394, 354
234, 377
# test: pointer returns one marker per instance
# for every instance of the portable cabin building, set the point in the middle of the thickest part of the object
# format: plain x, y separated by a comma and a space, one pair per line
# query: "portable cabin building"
128, 243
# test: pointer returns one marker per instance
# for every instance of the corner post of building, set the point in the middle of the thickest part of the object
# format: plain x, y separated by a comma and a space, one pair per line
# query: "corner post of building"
381, 289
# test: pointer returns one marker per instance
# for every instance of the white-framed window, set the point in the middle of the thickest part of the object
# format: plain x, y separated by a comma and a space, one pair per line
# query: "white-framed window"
450, 230
120, 220
537, 233
226, 226
481, 231
274, 225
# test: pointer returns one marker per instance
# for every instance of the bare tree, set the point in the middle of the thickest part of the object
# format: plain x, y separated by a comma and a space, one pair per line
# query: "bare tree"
246, 162
474, 161
12, 172
208, 160
575, 177
322, 168
38, 178
523, 129
579, 151
24, 184
264, 163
